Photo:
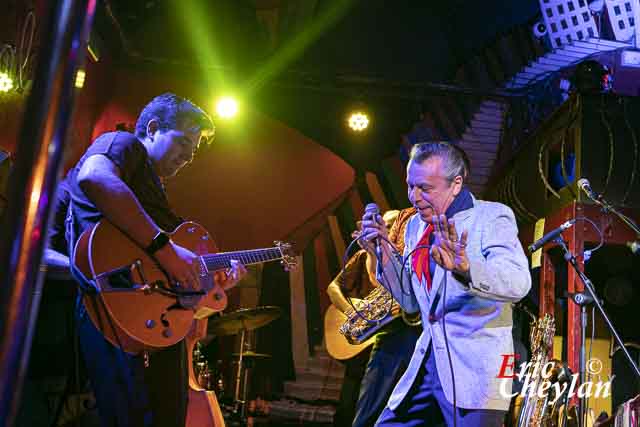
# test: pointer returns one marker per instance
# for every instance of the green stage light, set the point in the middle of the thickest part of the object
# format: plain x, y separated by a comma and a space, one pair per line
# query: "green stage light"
227, 107
6, 84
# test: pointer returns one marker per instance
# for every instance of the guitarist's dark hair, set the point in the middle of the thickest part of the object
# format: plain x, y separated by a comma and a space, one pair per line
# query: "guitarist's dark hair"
170, 110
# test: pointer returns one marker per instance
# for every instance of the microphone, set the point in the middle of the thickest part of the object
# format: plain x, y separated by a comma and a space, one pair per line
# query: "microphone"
635, 247
373, 210
550, 235
584, 185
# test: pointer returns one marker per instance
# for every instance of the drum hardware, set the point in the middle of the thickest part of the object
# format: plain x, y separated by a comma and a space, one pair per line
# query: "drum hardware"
238, 322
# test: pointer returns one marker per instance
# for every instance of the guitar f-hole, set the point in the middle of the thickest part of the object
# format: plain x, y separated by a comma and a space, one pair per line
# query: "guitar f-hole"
164, 321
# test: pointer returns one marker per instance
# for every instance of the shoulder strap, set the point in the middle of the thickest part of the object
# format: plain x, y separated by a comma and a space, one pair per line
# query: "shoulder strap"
85, 284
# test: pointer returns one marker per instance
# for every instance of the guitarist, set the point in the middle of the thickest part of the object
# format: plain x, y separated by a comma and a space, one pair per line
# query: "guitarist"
120, 177
374, 374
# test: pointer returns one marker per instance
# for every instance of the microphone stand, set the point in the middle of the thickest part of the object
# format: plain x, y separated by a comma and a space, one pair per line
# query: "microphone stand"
588, 285
583, 352
608, 207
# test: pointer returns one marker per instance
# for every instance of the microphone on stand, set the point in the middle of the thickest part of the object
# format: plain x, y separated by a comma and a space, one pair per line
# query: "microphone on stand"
550, 235
635, 247
373, 210
585, 186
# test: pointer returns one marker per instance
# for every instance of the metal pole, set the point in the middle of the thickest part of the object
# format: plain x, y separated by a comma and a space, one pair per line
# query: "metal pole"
33, 181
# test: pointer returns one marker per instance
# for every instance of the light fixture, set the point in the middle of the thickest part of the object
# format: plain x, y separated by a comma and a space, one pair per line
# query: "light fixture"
6, 84
80, 77
596, 7
358, 121
630, 58
227, 107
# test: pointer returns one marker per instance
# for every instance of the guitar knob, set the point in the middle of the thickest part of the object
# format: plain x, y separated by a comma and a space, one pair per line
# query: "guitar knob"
217, 296
150, 323
167, 333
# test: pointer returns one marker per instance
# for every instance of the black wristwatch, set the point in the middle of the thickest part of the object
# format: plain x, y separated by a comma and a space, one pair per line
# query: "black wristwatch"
157, 243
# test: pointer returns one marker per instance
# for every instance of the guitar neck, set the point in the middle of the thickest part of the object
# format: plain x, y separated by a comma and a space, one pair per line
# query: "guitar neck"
222, 260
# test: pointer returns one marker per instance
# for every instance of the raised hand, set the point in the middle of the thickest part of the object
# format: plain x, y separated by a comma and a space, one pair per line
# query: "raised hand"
447, 250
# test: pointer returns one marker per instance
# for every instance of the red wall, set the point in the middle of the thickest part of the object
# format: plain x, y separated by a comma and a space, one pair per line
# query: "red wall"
259, 181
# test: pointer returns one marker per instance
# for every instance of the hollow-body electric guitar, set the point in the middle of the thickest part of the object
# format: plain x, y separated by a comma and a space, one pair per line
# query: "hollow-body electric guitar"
136, 306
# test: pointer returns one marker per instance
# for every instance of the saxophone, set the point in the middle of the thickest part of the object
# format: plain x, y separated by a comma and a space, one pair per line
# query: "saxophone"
373, 312
533, 409
536, 409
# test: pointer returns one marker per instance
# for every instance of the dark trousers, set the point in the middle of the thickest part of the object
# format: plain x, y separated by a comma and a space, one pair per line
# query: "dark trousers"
354, 369
128, 394
426, 405
389, 359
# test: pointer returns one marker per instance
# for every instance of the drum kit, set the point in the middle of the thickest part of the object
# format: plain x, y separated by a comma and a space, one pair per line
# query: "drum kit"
237, 323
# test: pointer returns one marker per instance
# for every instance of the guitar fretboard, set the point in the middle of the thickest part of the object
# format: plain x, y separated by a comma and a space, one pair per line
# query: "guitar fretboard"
222, 260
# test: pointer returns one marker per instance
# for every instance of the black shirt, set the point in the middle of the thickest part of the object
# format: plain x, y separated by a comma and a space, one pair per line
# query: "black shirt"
129, 154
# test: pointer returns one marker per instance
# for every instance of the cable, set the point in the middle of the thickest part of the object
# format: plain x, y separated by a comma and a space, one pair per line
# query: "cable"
565, 126
7, 57
635, 150
446, 344
606, 123
588, 376
587, 253
23, 54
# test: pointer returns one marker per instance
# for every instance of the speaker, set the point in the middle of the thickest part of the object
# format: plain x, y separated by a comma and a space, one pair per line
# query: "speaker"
539, 29
593, 136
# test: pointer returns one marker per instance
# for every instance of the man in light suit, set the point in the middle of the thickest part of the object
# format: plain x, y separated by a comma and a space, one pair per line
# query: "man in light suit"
465, 269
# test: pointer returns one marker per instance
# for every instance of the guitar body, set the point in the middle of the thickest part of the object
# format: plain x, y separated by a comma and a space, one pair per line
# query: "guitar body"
203, 409
127, 309
337, 345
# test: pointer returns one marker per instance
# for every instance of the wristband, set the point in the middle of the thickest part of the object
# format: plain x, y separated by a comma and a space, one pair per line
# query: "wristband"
159, 241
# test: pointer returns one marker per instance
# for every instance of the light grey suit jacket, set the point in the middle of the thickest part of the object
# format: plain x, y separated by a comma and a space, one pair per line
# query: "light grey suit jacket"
478, 313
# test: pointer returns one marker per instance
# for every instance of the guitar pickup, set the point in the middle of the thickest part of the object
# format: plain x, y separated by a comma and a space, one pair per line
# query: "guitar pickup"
118, 279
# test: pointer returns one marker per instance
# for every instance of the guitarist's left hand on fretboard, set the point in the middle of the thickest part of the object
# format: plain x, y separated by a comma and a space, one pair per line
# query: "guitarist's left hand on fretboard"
230, 277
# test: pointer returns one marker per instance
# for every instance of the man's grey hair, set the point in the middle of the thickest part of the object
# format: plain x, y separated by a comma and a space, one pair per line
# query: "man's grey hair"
454, 160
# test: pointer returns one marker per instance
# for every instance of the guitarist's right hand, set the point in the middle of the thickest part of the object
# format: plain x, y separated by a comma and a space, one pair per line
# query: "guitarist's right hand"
181, 264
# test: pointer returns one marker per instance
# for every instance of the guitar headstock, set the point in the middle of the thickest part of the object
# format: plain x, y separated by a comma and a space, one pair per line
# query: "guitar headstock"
288, 257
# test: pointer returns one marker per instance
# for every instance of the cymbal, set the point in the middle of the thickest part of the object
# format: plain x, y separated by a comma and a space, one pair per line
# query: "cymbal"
244, 318
251, 354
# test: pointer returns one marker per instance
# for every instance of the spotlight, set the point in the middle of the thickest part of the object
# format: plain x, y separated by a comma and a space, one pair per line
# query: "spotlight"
226, 107
539, 30
6, 84
80, 76
358, 121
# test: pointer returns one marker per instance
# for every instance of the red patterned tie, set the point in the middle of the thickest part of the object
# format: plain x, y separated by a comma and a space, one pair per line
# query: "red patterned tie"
420, 258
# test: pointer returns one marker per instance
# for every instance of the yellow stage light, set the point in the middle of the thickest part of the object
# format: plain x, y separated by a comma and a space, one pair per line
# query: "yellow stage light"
6, 84
80, 76
358, 121
227, 107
